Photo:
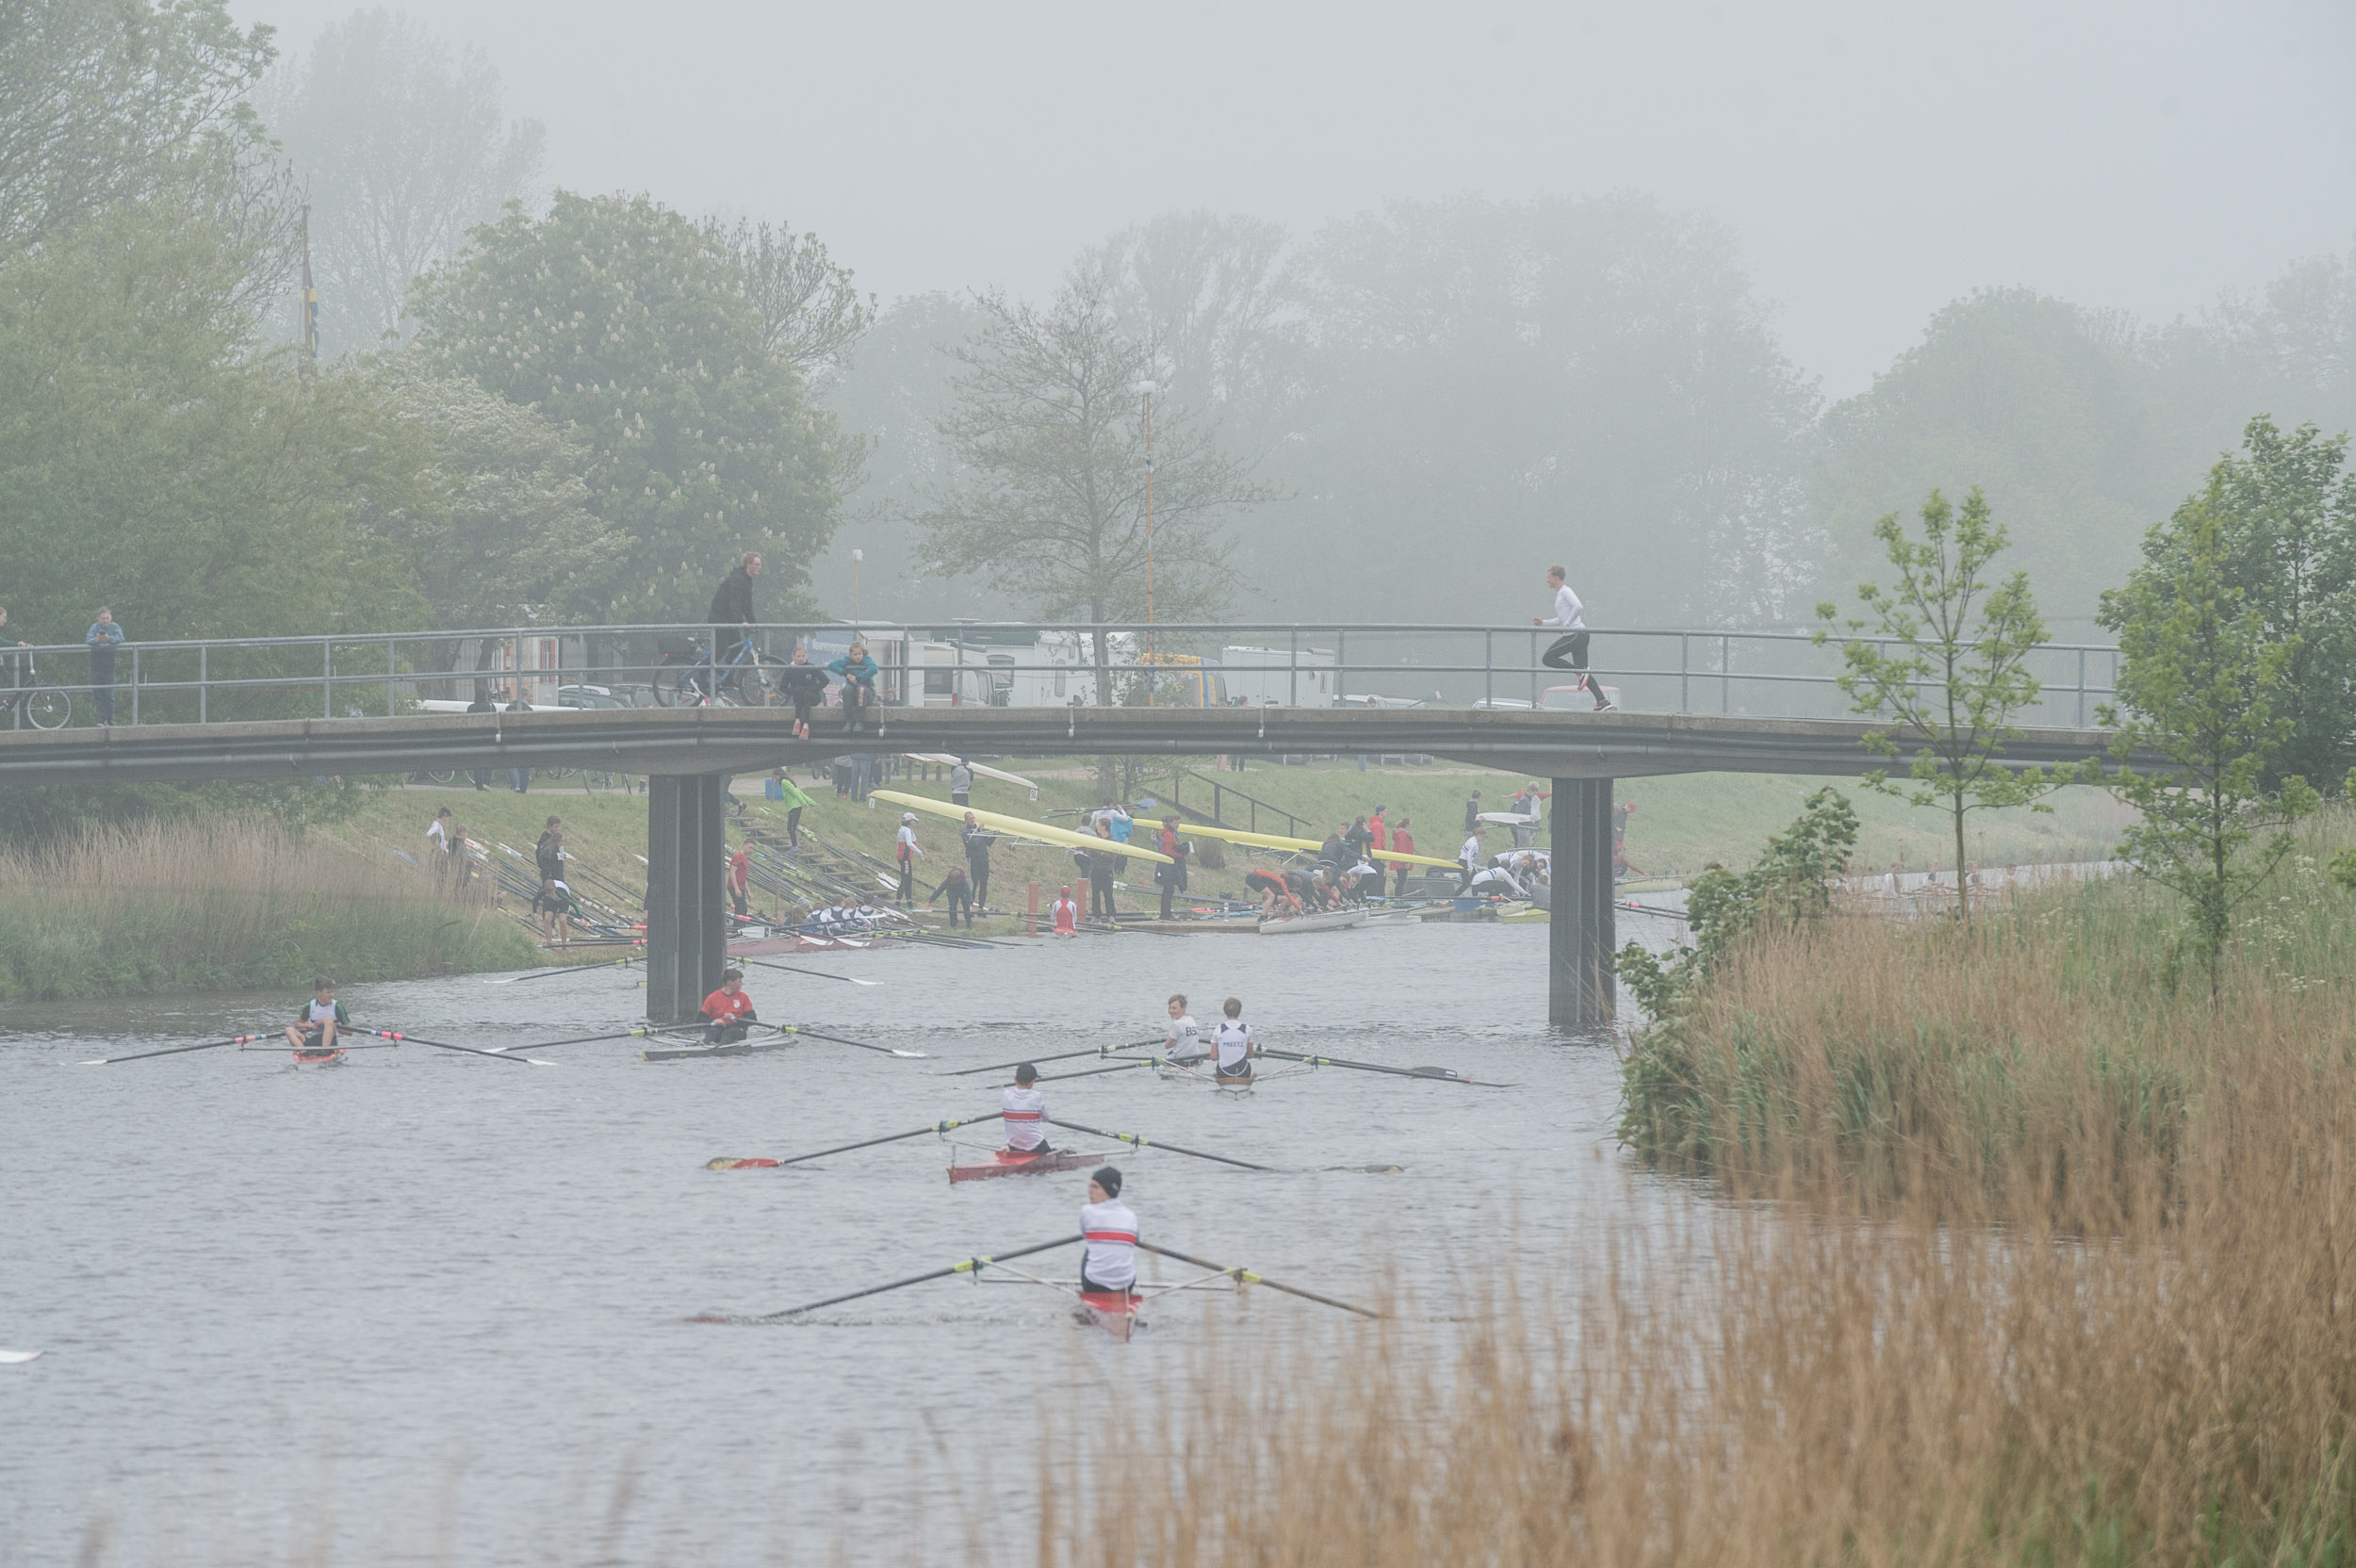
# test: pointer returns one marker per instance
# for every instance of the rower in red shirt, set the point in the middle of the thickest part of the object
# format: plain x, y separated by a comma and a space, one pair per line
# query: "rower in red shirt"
727, 1010
1067, 914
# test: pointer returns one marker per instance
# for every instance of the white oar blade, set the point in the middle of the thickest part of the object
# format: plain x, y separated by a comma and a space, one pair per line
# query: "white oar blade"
13, 1357
913, 1055
856, 981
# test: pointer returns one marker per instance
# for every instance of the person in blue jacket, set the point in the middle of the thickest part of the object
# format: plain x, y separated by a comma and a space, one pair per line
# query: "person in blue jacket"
104, 637
859, 672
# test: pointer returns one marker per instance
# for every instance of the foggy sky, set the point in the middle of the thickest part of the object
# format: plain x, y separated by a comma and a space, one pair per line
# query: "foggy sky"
1878, 157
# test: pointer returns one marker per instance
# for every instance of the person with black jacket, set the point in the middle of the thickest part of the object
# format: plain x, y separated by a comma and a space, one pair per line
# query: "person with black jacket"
732, 602
482, 704
977, 841
804, 685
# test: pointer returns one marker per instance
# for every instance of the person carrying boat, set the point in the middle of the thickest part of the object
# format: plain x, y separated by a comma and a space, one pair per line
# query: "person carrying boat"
1173, 876
319, 1019
960, 781
1402, 842
1065, 914
909, 852
859, 672
977, 840
1024, 1111
804, 685
1302, 889
1108, 1263
1184, 1048
1336, 850
1234, 1042
728, 1010
1272, 887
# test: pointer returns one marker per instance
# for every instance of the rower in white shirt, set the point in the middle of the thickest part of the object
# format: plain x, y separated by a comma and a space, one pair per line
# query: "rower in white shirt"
1233, 1039
1025, 1113
1109, 1266
1183, 1047
1469, 855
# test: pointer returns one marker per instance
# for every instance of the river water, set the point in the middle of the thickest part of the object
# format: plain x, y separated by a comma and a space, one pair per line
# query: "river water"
422, 1307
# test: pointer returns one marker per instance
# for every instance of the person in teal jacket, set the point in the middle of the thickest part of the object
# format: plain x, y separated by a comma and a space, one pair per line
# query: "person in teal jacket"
859, 672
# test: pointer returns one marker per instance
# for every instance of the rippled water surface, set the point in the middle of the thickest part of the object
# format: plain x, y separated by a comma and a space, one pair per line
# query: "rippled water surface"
423, 1307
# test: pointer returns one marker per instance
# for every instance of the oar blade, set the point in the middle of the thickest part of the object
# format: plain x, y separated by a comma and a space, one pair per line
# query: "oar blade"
728, 1162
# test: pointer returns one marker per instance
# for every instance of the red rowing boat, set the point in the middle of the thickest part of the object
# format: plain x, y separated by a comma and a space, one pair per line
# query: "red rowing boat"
1006, 1162
319, 1058
1115, 1312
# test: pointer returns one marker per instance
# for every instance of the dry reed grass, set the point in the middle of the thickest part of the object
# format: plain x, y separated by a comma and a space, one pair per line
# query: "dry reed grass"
224, 904
2069, 1278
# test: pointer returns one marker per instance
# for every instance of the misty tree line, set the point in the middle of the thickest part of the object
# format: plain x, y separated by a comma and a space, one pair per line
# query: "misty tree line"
553, 404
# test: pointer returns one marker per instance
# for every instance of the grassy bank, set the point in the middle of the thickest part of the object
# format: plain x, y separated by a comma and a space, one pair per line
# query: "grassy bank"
225, 906
2069, 1280
2048, 1044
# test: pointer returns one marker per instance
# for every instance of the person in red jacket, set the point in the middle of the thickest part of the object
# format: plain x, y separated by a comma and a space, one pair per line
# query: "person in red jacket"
728, 1011
1402, 842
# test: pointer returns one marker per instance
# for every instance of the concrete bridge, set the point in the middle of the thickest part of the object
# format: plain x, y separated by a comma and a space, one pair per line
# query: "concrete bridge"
689, 753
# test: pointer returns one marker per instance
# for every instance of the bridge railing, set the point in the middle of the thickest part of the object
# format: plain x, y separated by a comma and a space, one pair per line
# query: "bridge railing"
1776, 673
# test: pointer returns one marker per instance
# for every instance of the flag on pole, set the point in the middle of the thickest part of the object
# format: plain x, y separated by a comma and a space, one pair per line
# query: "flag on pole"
310, 301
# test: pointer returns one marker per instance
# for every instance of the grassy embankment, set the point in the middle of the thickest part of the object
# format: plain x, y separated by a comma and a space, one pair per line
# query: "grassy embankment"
2061, 1272
225, 906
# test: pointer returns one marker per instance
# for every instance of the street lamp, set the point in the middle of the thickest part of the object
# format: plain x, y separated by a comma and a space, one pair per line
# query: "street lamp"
1146, 390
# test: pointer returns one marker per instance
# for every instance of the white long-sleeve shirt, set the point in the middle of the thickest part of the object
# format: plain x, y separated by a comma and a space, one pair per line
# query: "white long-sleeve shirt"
1567, 611
1111, 1232
1025, 1116
1470, 853
908, 842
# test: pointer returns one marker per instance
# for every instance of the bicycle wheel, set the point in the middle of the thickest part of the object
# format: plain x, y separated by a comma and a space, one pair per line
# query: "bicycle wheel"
594, 781
441, 776
46, 708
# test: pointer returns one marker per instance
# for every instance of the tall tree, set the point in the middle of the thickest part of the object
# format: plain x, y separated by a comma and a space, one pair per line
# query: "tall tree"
402, 145
2198, 683
1584, 380
1947, 662
631, 325
107, 103
1208, 289
810, 313
497, 530
2284, 514
1050, 427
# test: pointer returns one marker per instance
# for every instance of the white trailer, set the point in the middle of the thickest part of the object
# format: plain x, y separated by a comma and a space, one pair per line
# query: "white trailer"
1279, 677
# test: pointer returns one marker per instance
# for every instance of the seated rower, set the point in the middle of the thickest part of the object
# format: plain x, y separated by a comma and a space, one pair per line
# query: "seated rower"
1234, 1040
1109, 1266
1067, 914
727, 1010
1025, 1113
1184, 1048
318, 1019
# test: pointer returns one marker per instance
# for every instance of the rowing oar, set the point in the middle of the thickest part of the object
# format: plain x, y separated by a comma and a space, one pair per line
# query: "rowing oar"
813, 974
880, 1050
1141, 1141
400, 1038
727, 1163
1649, 909
173, 1051
1445, 1074
970, 1265
1245, 1276
577, 1040
1126, 1063
568, 968
1061, 1056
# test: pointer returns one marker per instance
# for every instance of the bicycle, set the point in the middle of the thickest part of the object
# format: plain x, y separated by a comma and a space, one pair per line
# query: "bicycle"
29, 702
686, 677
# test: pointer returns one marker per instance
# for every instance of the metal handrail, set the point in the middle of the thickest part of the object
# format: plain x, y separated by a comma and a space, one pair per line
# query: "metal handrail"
376, 672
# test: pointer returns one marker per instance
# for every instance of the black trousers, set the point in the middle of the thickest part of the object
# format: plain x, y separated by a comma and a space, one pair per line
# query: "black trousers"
793, 828
908, 881
1101, 894
979, 871
1568, 653
961, 899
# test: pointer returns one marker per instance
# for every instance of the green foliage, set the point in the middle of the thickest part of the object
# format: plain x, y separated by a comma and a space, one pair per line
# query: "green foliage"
150, 461
107, 104
1960, 670
1784, 889
2284, 514
629, 325
2199, 679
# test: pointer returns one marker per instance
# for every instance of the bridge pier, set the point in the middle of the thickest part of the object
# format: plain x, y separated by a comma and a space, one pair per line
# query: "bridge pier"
687, 928
1581, 992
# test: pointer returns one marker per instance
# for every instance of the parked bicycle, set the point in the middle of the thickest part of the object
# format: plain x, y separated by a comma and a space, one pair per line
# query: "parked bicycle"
746, 676
26, 701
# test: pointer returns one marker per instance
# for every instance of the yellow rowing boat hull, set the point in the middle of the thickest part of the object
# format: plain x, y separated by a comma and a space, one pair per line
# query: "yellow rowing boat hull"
1022, 829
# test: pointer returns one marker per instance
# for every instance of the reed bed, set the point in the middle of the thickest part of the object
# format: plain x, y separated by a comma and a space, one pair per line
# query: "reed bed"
2010, 1252
225, 905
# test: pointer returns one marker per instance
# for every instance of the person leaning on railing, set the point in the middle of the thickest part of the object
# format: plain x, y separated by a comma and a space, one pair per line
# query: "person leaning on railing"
104, 637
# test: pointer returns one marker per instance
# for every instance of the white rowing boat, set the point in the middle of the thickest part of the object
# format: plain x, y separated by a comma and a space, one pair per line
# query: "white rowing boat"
1324, 919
